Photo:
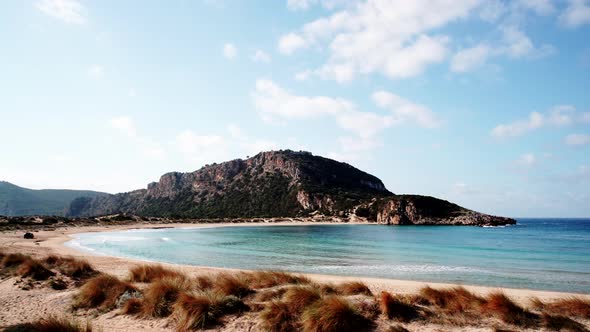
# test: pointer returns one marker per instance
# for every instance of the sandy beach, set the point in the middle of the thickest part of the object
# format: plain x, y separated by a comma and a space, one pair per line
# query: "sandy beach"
20, 306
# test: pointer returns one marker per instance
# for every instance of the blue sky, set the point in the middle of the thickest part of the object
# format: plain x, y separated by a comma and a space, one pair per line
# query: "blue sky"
484, 103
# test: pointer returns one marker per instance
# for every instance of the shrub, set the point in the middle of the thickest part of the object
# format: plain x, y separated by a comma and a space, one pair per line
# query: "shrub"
149, 273
333, 313
395, 308
454, 300
498, 304
228, 284
13, 260
353, 288
561, 323
34, 269
52, 324
276, 317
132, 306
72, 267
161, 294
101, 292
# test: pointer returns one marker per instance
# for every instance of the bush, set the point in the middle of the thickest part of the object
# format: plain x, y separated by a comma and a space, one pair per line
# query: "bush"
333, 313
101, 292
161, 294
498, 304
72, 267
227, 284
52, 324
33, 269
277, 317
201, 310
300, 297
573, 306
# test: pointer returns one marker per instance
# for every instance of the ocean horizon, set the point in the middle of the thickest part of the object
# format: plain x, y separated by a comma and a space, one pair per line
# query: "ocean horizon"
536, 253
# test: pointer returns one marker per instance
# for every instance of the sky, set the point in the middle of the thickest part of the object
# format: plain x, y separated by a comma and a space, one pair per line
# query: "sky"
484, 103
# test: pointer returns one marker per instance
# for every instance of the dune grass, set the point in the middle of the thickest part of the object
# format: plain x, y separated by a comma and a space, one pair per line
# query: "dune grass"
353, 288
33, 269
161, 294
200, 310
13, 260
277, 317
331, 314
297, 298
454, 300
101, 292
52, 324
499, 305
395, 308
572, 306
266, 279
229, 284
71, 267
152, 272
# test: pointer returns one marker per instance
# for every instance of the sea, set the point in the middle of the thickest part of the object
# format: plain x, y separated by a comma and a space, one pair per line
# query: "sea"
543, 254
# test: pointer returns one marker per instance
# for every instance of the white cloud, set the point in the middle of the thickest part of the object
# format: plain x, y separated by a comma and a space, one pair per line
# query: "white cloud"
389, 37
577, 139
272, 100
125, 125
290, 43
526, 160
69, 11
230, 51
562, 115
470, 58
200, 149
576, 14
406, 111
306, 4
303, 75
364, 124
96, 71
541, 7
260, 56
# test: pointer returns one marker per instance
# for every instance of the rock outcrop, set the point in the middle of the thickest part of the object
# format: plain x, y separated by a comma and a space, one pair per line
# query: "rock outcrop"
279, 184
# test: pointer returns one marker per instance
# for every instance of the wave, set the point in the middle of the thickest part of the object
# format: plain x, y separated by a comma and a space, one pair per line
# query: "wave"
411, 268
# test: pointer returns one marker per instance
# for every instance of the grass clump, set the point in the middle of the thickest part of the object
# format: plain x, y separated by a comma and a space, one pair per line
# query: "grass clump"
132, 306
499, 305
70, 266
561, 323
52, 324
266, 279
454, 300
149, 273
353, 288
573, 307
101, 292
277, 317
13, 260
33, 269
197, 311
298, 298
395, 308
161, 294
333, 313
227, 284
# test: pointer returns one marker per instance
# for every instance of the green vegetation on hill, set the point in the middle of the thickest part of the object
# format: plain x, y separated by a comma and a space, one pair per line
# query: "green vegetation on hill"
18, 201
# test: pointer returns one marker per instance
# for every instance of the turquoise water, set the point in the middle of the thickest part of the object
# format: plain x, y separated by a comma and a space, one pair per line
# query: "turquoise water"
550, 254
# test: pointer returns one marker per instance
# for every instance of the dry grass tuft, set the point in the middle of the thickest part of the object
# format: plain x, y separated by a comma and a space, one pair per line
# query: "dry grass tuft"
353, 288
133, 306
70, 266
266, 279
270, 294
499, 305
297, 298
33, 269
13, 260
161, 294
276, 317
454, 300
149, 273
201, 310
561, 323
227, 284
333, 313
571, 307
397, 328
101, 292
52, 324
203, 282
395, 308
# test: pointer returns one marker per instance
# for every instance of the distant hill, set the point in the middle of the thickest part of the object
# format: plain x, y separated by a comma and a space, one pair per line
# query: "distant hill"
279, 184
18, 201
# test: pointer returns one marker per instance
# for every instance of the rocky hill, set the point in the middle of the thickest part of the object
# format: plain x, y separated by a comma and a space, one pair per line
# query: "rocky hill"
279, 184
18, 201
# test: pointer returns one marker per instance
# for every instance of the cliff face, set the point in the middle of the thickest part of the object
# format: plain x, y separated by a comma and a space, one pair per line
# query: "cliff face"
277, 184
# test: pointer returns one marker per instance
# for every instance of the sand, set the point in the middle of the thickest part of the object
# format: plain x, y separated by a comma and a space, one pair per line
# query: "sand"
19, 306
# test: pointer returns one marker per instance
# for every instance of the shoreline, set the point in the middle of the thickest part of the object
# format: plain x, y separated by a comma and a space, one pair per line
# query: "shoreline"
54, 242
